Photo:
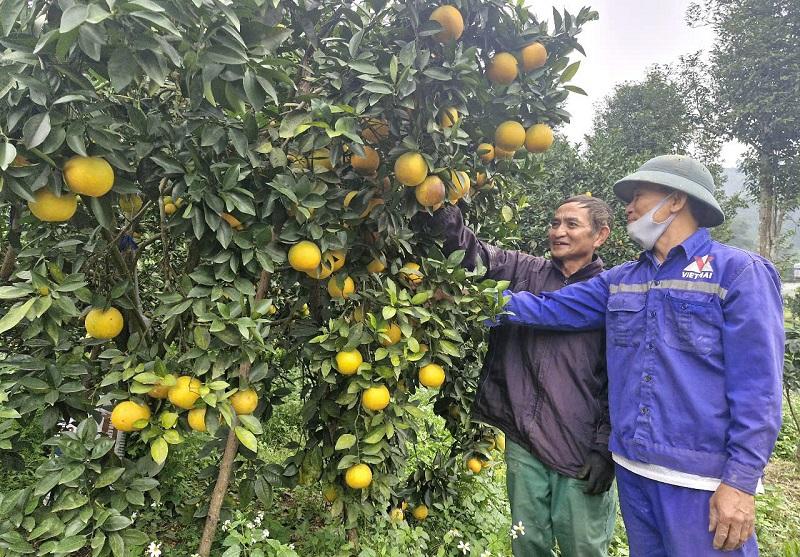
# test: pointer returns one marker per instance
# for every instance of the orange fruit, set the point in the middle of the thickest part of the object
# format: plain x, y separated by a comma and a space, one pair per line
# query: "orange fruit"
394, 333
502, 68
451, 20
533, 56
91, 176
420, 512
348, 361
103, 324
538, 138
304, 256
367, 164
185, 392
341, 292
474, 465
486, 152
197, 419
375, 398
449, 117
358, 476
432, 376
127, 413
244, 401
430, 192
49, 207
410, 169
509, 136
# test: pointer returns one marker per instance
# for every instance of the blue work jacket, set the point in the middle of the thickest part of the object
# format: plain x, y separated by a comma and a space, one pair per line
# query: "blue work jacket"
695, 355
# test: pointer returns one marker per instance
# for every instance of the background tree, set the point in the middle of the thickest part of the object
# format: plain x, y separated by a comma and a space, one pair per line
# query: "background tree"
755, 67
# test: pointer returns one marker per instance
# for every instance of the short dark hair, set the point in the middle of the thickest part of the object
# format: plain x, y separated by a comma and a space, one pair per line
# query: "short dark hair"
600, 214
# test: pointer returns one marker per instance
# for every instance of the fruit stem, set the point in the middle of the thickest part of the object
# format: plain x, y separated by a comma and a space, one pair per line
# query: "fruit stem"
45, 158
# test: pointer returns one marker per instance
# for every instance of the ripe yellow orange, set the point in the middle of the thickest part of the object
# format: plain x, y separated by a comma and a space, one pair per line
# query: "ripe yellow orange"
376, 265
358, 476
341, 292
130, 203
410, 169
325, 268
159, 391
230, 219
394, 333
502, 68
413, 275
486, 152
430, 192
538, 138
304, 256
460, 181
347, 361
396, 515
533, 56
49, 207
509, 136
127, 413
197, 419
375, 398
91, 176
170, 208
185, 392
244, 401
103, 324
480, 179
420, 512
451, 21
449, 117
371, 204
375, 130
432, 376
330, 493
474, 464
367, 164
321, 160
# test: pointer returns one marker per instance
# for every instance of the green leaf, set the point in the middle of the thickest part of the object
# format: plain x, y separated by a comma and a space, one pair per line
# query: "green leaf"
122, 68
47, 483
507, 213
70, 544
13, 292
247, 438
116, 522
9, 12
15, 315
159, 449
159, 21
108, 476
252, 423
36, 129
73, 17
7, 154
70, 500
570, 72
117, 544
103, 211
345, 441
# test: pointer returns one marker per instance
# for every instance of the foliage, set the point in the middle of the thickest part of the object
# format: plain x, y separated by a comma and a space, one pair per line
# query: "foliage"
234, 123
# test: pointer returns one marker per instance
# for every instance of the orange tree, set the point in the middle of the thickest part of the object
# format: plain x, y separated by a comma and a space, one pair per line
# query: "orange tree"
208, 210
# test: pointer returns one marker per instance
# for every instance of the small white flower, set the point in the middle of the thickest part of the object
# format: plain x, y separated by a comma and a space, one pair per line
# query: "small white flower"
154, 549
226, 525
454, 533
520, 528
464, 547
260, 515
513, 534
265, 534
250, 525
291, 546
486, 553
134, 515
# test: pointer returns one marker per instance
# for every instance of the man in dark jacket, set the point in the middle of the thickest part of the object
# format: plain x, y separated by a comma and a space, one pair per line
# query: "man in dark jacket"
547, 390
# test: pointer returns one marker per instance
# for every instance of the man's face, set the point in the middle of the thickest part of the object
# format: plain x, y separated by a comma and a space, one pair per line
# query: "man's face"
645, 197
571, 235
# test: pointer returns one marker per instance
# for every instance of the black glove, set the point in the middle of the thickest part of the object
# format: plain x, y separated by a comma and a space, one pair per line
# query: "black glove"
598, 473
432, 225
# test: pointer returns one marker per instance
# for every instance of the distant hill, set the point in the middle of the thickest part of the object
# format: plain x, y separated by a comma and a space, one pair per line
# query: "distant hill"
745, 224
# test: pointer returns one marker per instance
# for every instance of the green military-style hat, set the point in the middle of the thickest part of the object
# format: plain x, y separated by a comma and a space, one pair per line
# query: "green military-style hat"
680, 173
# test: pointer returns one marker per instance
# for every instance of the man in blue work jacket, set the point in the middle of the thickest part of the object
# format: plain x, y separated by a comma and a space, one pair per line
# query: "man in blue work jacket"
695, 340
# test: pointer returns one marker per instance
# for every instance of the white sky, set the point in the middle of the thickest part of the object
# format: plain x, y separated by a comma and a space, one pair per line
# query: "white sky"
629, 37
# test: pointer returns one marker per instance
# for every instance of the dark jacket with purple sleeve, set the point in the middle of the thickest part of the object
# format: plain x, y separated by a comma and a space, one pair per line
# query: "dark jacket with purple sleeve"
547, 390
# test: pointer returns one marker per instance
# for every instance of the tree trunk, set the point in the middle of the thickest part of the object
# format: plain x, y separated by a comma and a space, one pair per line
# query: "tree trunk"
769, 224
231, 448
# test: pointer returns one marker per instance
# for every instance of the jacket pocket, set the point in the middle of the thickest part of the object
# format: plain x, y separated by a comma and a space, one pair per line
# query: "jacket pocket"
692, 326
625, 321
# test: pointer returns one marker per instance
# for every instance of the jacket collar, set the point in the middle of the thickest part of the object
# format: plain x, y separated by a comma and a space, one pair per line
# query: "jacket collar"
691, 246
594, 267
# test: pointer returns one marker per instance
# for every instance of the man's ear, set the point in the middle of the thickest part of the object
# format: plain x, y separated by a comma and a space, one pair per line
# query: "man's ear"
602, 236
679, 201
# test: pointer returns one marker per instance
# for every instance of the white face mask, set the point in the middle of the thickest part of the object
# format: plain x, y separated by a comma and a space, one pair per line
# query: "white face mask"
645, 231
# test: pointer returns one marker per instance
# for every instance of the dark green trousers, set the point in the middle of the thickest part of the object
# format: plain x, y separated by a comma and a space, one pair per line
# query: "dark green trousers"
554, 509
